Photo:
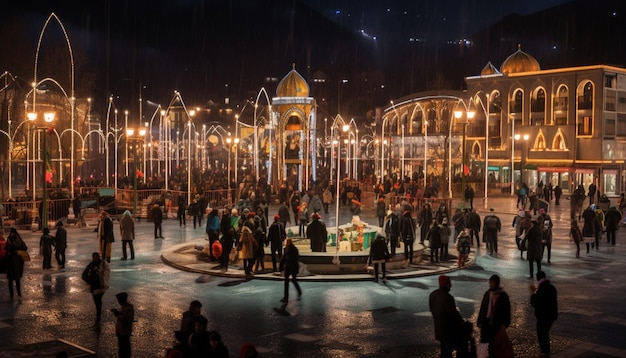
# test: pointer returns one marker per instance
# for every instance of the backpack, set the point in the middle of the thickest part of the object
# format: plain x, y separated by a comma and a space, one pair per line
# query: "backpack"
216, 249
491, 222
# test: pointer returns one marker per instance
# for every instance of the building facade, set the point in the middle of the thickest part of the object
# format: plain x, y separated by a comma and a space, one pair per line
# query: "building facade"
564, 126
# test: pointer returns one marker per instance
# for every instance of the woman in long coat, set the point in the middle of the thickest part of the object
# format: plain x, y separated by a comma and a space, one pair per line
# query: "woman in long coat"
247, 249
14, 262
533, 245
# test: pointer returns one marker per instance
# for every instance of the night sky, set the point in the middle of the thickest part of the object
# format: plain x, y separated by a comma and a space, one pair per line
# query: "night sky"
369, 50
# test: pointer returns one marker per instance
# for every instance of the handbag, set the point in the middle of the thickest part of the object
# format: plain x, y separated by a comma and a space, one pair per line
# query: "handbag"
23, 254
233, 256
502, 346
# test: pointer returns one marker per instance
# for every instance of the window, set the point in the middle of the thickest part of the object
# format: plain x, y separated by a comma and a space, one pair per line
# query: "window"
609, 81
585, 126
609, 128
621, 125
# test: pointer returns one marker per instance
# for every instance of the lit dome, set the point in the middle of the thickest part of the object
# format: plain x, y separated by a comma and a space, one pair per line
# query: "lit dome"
489, 69
292, 85
520, 61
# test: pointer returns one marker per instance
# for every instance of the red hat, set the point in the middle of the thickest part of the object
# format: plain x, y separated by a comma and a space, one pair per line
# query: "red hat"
444, 281
276, 217
251, 214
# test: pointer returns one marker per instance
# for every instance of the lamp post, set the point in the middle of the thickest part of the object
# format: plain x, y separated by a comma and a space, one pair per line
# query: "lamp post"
458, 114
229, 140
48, 118
345, 128
130, 136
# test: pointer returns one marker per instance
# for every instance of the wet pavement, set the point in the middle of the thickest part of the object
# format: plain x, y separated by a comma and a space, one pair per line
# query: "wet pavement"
354, 317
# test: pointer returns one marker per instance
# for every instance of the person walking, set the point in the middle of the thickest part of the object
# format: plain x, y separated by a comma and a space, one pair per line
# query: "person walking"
576, 235
545, 222
407, 232
491, 228
125, 316
247, 248
182, 212
533, 245
446, 236
434, 241
447, 319
291, 265
60, 244
424, 219
472, 220
494, 314
45, 248
378, 256
276, 235
327, 199
392, 231
127, 231
157, 220
589, 226
96, 275
611, 223
380, 211
105, 235
544, 299
228, 238
463, 246
469, 196
14, 262
213, 229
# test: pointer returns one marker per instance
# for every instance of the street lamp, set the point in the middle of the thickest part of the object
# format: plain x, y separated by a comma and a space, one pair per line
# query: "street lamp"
345, 128
458, 114
139, 138
229, 140
48, 118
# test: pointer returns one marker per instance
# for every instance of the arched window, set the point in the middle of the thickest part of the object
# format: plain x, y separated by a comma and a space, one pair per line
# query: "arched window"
559, 141
560, 106
584, 119
515, 106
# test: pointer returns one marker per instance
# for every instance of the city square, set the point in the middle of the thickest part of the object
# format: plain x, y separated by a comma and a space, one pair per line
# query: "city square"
303, 145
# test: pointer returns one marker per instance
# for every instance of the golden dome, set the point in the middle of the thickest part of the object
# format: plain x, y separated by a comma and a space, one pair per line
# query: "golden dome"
489, 69
520, 61
292, 85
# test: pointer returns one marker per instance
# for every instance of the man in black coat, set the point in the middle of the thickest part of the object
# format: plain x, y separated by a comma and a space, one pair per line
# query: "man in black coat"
60, 243
491, 228
317, 234
447, 319
276, 235
472, 222
291, 265
157, 220
544, 299
611, 223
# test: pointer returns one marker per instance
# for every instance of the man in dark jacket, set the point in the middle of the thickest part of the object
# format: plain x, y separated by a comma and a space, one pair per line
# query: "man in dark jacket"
60, 244
447, 319
407, 232
227, 239
611, 223
105, 235
491, 228
544, 299
424, 219
392, 230
317, 234
378, 256
291, 264
472, 221
533, 245
157, 219
276, 235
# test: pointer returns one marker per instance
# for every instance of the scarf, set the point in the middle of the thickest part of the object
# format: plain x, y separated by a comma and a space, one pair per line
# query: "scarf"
493, 300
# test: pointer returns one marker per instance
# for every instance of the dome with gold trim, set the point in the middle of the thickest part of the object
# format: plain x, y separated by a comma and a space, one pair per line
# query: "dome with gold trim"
293, 85
518, 62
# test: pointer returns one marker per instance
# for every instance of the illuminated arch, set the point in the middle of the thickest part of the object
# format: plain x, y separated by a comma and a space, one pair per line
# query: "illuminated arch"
559, 142
540, 141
